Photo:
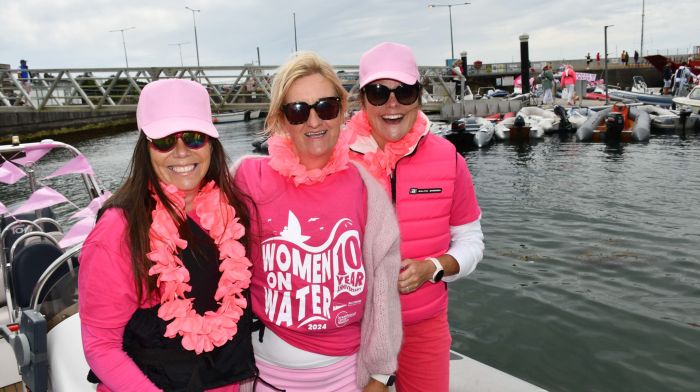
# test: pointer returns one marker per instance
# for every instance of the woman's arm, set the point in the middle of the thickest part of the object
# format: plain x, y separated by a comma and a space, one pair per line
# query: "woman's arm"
107, 301
115, 369
466, 248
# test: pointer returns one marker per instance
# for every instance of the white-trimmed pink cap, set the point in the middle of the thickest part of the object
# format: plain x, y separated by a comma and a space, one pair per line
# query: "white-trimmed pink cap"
388, 60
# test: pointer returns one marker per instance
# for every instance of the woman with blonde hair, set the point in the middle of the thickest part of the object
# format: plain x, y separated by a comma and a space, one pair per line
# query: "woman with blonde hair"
324, 245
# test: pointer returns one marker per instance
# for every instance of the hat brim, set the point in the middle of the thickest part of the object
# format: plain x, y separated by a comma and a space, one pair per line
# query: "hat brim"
402, 77
170, 125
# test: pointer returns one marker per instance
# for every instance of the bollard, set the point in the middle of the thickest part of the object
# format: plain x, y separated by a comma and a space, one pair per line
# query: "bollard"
524, 63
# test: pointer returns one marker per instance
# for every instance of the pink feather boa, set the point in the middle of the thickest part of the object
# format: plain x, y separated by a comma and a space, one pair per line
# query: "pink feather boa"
285, 160
380, 163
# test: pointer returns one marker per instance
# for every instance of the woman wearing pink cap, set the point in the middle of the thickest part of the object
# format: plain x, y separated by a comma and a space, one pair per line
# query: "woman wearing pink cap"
324, 245
163, 280
433, 195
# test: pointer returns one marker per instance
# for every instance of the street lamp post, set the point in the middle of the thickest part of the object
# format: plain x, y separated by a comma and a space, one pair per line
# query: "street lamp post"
179, 46
194, 23
126, 58
449, 7
605, 72
294, 17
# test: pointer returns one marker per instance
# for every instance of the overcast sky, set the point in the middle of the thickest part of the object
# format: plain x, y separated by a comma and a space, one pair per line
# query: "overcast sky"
76, 33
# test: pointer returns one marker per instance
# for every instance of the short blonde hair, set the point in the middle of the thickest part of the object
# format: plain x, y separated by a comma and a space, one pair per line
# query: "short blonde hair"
302, 64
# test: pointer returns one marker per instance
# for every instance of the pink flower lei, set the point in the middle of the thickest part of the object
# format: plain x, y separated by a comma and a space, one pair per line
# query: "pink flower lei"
381, 162
285, 160
200, 333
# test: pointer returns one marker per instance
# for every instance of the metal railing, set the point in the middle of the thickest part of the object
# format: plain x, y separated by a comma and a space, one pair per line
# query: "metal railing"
230, 88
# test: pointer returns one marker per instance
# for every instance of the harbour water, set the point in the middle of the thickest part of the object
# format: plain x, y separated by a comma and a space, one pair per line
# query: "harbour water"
591, 275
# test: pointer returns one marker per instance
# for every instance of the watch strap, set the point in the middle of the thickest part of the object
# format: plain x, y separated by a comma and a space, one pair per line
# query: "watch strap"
386, 379
439, 270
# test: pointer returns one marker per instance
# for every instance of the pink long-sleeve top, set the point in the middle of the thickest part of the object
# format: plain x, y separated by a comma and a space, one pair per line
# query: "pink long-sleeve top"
107, 297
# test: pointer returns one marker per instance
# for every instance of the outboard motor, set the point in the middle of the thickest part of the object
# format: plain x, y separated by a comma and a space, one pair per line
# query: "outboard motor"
459, 136
614, 124
519, 133
684, 114
564, 124
458, 125
519, 122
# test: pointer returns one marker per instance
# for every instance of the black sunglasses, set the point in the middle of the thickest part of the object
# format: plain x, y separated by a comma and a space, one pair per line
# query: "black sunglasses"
378, 94
298, 112
192, 139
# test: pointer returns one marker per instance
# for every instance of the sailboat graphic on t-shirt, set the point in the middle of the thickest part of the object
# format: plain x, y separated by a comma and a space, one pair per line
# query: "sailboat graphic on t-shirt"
307, 284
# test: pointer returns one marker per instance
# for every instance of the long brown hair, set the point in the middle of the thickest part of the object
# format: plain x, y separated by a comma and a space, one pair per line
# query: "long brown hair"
134, 198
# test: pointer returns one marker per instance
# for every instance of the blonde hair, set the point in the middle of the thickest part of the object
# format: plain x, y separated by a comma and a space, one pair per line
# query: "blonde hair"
302, 64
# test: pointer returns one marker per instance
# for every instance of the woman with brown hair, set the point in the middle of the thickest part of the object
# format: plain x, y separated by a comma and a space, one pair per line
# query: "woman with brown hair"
163, 281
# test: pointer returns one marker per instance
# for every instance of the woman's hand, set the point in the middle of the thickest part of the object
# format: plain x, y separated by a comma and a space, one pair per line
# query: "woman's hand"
375, 386
413, 274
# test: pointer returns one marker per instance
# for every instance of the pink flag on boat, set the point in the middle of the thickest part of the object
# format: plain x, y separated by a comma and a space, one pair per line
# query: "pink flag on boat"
33, 155
79, 165
78, 232
93, 207
9, 173
43, 197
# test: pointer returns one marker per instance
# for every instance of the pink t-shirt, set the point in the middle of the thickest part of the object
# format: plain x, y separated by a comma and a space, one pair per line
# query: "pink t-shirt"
107, 297
308, 275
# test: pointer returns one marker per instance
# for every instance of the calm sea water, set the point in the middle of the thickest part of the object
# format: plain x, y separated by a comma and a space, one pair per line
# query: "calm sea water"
591, 275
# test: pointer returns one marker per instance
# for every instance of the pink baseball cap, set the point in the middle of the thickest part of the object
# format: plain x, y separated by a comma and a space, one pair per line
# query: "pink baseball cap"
168, 106
388, 60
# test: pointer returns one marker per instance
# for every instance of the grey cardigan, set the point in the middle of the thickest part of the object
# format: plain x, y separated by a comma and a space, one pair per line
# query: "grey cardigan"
380, 337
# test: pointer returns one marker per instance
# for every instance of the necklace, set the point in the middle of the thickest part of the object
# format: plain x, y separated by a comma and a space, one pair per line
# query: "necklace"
200, 333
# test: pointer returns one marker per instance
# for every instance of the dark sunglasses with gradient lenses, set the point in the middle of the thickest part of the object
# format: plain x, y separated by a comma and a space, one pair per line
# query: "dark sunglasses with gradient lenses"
298, 112
192, 139
378, 94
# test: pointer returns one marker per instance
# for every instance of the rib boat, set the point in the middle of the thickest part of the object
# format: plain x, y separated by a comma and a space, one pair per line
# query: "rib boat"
618, 123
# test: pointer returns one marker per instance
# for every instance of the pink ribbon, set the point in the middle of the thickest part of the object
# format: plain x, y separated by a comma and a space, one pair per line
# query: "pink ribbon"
9, 173
43, 197
79, 164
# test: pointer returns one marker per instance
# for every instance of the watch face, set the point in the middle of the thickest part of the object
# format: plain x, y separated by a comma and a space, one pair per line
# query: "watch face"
438, 275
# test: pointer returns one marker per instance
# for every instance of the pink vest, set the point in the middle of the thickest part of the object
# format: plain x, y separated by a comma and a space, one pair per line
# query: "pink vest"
423, 189
309, 278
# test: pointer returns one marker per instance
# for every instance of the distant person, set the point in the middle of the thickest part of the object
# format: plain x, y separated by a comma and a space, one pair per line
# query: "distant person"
597, 58
25, 79
636, 58
588, 60
547, 78
627, 59
568, 81
683, 77
458, 77
668, 77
